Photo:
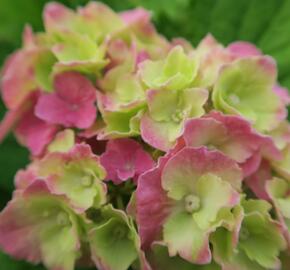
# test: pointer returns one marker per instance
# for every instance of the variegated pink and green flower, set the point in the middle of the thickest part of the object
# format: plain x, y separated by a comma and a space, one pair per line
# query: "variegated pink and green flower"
146, 153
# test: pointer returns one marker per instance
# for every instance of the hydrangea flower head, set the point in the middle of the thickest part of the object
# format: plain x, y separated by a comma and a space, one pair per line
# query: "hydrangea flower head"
145, 153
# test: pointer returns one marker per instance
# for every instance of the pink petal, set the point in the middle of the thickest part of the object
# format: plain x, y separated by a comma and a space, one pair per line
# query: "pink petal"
153, 133
18, 78
74, 88
195, 162
56, 15
257, 181
73, 103
135, 15
34, 133
283, 93
125, 159
11, 118
17, 233
251, 164
153, 206
25, 178
15, 239
243, 49
233, 136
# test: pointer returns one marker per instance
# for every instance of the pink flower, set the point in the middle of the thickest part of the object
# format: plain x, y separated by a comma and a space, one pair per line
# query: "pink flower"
160, 191
72, 103
125, 159
231, 135
34, 133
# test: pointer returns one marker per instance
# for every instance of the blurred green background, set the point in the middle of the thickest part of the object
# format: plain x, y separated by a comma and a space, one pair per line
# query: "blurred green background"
263, 22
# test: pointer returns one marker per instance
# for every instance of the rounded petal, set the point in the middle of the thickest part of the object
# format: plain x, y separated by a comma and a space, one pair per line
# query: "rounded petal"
125, 159
153, 206
182, 171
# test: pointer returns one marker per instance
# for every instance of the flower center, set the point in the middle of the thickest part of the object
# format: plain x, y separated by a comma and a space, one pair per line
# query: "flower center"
192, 203
62, 219
120, 232
87, 181
244, 234
234, 99
177, 116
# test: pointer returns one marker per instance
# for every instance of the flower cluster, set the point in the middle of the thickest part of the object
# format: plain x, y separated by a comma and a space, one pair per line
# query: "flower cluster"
145, 153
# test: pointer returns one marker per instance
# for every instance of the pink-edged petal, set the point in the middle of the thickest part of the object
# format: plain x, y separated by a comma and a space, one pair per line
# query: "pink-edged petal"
30, 228
12, 117
34, 133
125, 159
251, 164
256, 182
72, 105
25, 178
184, 238
135, 16
18, 78
243, 49
233, 136
57, 16
161, 135
189, 164
77, 174
16, 239
283, 93
153, 206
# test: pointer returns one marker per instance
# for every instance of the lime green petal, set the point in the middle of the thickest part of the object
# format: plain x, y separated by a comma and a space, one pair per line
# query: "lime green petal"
282, 167
129, 89
240, 261
122, 124
56, 241
162, 104
261, 238
185, 238
279, 192
256, 206
245, 87
160, 259
113, 242
55, 225
43, 70
77, 52
63, 141
214, 195
99, 20
193, 101
176, 72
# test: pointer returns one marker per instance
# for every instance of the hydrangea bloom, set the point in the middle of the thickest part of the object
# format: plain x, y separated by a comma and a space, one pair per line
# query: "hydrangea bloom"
146, 153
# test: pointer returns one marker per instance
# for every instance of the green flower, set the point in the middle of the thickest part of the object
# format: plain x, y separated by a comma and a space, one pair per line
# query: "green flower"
167, 111
77, 174
175, 72
255, 242
245, 87
113, 239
